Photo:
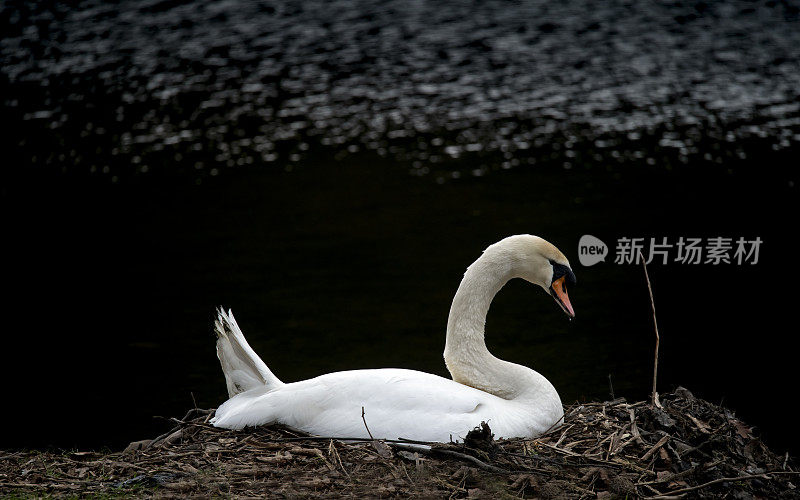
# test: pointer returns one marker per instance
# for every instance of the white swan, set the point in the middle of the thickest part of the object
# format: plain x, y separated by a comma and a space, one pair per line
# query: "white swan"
515, 400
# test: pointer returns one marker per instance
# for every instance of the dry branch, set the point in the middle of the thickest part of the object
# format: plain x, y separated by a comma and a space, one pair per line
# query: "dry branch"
654, 397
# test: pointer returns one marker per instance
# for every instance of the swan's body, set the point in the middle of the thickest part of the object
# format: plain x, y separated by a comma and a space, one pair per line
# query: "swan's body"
515, 400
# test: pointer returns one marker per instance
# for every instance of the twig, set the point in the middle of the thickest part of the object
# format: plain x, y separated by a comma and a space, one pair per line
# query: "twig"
161, 437
183, 423
406, 440
711, 440
563, 435
347, 439
365, 424
455, 489
114, 463
534, 457
599, 462
681, 475
481, 464
661, 442
654, 400
658, 494
58, 486
337, 458
712, 483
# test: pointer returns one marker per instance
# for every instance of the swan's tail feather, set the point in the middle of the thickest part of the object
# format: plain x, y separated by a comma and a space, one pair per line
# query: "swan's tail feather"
242, 367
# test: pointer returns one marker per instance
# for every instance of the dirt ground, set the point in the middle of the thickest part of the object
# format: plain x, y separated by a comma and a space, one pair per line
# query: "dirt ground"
688, 448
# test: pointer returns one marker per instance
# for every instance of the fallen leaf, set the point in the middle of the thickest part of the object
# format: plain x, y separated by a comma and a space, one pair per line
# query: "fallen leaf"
408, 455
700, 425
382, 449
137, 445
742, 429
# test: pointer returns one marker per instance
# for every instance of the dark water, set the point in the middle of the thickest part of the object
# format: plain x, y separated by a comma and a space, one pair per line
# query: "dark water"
452, 88
329, 170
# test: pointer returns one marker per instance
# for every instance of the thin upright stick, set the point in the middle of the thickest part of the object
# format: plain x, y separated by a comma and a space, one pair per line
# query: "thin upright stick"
654, 396
365, 424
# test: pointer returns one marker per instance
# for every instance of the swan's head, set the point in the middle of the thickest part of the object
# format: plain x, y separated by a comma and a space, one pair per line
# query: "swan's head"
540, 262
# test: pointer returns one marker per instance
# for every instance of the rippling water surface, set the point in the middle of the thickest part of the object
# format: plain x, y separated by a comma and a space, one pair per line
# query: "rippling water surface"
329, 170
454, 88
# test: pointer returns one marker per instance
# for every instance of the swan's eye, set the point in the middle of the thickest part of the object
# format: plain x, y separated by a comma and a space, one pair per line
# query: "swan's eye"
560, 270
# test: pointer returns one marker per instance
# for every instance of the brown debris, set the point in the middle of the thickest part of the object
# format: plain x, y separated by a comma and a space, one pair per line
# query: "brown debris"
686, 448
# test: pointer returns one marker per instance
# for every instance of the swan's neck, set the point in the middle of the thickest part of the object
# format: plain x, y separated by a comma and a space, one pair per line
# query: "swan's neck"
465, 353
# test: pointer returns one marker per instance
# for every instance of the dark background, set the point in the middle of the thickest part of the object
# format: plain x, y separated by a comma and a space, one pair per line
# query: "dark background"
329, 171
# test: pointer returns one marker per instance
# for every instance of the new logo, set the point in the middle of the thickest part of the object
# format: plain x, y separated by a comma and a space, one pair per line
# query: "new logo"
591, 250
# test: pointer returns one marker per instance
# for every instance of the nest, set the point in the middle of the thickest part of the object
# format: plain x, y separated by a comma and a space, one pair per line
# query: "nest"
685, 447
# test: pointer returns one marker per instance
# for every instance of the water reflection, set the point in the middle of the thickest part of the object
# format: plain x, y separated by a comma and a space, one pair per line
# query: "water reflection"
145, 86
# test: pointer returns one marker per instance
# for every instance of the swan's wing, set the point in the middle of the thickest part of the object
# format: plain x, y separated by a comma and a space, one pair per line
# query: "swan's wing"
412, 405
396, 403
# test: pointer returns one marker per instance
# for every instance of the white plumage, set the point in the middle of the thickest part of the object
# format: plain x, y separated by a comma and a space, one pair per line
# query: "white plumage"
515, 400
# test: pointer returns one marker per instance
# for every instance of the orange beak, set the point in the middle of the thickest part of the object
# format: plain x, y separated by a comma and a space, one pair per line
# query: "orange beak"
559, 292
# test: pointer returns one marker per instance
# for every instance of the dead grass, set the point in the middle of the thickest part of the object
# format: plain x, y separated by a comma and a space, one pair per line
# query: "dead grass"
690, 447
